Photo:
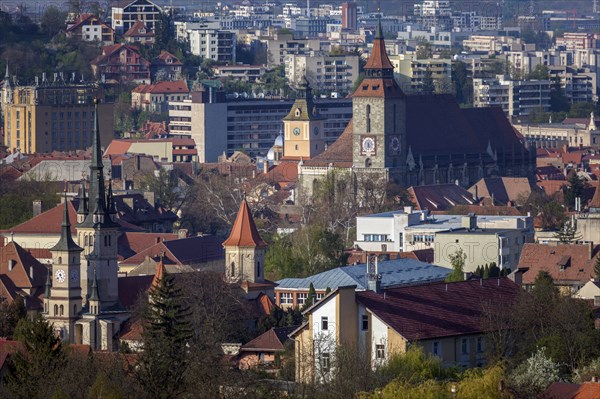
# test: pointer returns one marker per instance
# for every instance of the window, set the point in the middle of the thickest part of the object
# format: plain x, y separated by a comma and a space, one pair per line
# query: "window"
286, 298
62, 310
320, 296
11, 264
324, 323
365, 322
232, 272
55, 310
479, 344
368, 119
301, 298
380, 351
436, 348
325, 362
464, 346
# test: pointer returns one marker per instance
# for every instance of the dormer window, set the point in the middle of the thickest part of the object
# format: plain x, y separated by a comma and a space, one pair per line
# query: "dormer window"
298, 112
142, 31
11, 264
169, 60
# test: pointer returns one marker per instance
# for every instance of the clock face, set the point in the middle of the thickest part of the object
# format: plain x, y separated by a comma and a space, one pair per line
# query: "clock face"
368, 145
60, 275
316, 130
297, 131
74, 275
395, 144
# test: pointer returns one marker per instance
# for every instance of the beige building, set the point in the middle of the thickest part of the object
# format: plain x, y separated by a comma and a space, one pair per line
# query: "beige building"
557, 134
382, 323
162, 150
333, 73
516, 97
411, 72
52, 116
303, 128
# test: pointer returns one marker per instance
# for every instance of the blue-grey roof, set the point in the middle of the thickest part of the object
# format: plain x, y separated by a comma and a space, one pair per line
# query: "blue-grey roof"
393, 273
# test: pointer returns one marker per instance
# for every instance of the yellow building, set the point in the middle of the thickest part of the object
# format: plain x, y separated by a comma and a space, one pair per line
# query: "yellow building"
303, 128
52, 116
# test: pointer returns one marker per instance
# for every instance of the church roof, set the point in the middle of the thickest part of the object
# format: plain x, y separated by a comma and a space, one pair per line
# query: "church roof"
378, 87
26, 271
244, 232
339, 153
66, 243
379, 58
304, 108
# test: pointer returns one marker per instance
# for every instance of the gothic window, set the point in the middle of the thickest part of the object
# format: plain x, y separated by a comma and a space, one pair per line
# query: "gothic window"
257, 269
232, 269
368, 163
85, 240
55, 310
368, 119
62, 310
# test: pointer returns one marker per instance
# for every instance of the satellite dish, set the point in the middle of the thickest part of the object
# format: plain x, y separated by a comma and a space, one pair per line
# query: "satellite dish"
236, 95
245, 95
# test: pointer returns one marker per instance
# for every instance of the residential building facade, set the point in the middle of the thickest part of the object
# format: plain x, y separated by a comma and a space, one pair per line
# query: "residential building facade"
515, 97
213, 44
52, 116
121, 63
155, 97
127, 12
324, 72
90, 28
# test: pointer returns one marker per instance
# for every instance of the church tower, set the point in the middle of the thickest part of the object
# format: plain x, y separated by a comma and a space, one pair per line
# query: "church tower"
97, 231
62, 302
379, 109
303, 127
244, 250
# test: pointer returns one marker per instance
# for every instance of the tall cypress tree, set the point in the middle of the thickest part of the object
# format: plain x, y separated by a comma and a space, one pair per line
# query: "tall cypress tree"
167, 333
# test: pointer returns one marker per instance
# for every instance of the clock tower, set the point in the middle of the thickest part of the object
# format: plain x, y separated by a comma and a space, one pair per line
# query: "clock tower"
379, 115
62, 302
303, 128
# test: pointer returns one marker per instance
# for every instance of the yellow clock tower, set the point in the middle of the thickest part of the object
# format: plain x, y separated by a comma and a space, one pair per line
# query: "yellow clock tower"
303, 128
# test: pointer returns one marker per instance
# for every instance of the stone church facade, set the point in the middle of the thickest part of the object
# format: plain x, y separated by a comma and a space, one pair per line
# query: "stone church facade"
417, 139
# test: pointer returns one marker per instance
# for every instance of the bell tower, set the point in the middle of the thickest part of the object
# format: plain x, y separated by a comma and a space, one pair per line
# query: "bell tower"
244, 250
379, 114
62, 302
303, 127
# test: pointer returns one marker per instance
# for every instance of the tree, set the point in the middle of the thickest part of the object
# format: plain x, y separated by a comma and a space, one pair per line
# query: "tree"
539, 73
558, 100
168, 188
582, 110
531, 377
457, 260
597, 267
167, 332
574, 190
463, 86
427, 86
52, 21
10, 314
41, 359
312, 297
567, 233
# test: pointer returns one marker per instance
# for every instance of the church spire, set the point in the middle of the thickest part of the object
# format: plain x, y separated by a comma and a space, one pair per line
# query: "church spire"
48, 286
83, 200
244, 232
379, 65
66, 243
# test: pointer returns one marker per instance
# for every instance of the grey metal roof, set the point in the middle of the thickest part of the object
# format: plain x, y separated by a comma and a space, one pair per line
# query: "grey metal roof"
393, 273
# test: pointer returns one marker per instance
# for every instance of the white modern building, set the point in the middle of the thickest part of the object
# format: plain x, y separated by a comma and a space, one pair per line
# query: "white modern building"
127, 13
516, 97
324, 72
213, 44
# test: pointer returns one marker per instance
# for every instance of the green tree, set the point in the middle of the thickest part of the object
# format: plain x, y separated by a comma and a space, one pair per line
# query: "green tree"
457, 260
41, 359
312, 297
534, 375
52, 21
428, 86
164, 359
582, 110
567, 234
463, 85
104, 389
558, 100
10, 315
573, 190
539, 73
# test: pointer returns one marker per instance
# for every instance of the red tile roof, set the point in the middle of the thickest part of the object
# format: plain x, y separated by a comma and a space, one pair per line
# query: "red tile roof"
167, 86
595, 202
27, 272
269, 341
244, 232
438, 310
159, 275
162, 58
184, 251
439, 197
565, 390
577, 260
136, 28
338, 154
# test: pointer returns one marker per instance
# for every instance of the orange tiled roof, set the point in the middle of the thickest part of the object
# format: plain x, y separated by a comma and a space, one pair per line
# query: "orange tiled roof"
48, 222
159, 275
572, 263
244, 232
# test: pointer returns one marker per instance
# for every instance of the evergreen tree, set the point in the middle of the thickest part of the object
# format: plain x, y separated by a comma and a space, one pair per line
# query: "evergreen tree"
478, 271
597, 267
457, 260
494, 270
573, 190
428, 86
327, 290
42, 359
567, 233
486, 271
312, 297
167, 332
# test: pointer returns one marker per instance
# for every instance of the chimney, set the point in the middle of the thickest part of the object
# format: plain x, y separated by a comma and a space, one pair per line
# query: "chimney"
373, 276
408, 209
182, 233
37, 207
469, 222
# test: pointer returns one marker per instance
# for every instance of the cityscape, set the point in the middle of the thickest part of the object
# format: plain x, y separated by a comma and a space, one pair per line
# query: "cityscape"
314, 199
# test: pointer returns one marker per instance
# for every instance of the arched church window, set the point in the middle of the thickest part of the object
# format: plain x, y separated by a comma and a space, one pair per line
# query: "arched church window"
85, 240
368, 163
62, 310
368, 113
232, 269
55, 310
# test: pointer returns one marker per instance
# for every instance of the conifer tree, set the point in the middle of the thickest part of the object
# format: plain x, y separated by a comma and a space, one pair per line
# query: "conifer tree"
597, 267
486, 271
312, 297
167, 332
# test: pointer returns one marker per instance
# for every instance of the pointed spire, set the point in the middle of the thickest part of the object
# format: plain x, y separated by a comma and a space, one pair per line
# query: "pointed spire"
110, 199
94, 295
66, 243
378, 31
244, 232
83, 200
48, 285
96, 148
379, 60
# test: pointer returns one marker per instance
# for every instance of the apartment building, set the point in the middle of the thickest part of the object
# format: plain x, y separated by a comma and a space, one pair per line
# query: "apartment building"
213, 44
411, 72
516, 97
282, 45
127, 12
121, 63
334, 73
53, 116
155, 97
220, 125
161, 150
89, 28
576, 40
579, 84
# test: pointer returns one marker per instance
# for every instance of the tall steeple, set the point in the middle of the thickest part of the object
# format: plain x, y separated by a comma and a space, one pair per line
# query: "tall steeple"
244, 249
83, 208
66, 243
379, 65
